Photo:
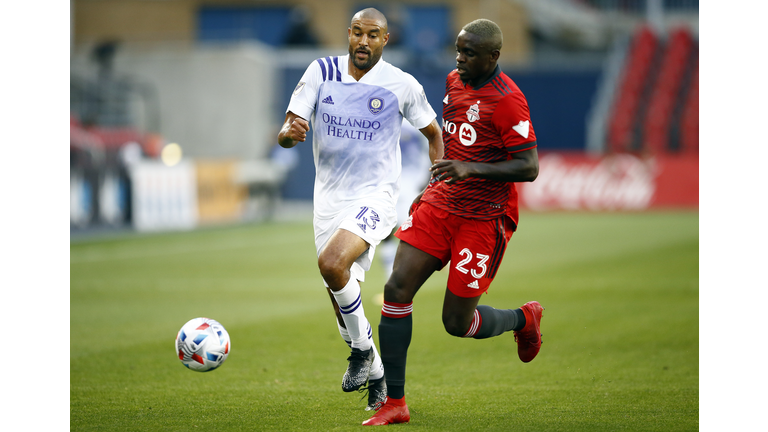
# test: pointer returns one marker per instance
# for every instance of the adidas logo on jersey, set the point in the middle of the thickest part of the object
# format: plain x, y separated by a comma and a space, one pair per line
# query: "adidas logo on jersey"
474, 285
328, 100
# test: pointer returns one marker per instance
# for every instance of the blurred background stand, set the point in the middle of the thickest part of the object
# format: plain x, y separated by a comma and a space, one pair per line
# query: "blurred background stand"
204, 84
263, 179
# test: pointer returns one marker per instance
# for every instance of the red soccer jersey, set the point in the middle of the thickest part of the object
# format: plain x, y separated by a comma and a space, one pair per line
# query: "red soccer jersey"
483, 124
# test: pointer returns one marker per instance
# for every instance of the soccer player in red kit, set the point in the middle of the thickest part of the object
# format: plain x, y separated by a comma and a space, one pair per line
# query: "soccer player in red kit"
466, 215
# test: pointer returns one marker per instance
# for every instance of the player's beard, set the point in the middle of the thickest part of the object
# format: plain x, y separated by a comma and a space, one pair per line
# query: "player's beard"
373, 58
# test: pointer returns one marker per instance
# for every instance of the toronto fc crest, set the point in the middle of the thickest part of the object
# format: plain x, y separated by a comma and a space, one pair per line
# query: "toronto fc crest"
473, 113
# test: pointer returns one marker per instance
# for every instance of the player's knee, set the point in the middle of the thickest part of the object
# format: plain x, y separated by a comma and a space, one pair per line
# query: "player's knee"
455, 326
331, 269
395, 292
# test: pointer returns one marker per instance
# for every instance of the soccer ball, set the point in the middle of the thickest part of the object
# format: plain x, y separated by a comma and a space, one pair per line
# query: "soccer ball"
202, 344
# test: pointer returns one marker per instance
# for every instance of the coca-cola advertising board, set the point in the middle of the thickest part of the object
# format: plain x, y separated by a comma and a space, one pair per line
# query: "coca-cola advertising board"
614, 182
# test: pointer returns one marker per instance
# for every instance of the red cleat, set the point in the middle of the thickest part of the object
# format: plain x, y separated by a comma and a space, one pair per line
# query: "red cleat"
393, 411
529, 338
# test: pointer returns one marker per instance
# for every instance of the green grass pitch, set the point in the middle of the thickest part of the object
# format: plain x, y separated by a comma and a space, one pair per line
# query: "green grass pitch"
620, 352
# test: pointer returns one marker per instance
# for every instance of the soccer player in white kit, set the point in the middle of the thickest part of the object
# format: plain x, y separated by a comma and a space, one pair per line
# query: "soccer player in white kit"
356, 104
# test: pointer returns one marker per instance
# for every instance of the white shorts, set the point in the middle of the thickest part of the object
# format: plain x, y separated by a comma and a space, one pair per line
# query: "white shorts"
372, 219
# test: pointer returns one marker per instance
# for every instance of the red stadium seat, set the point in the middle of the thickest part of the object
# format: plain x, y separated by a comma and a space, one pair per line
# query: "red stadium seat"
117, 137
689, 134
664, 95
629, 94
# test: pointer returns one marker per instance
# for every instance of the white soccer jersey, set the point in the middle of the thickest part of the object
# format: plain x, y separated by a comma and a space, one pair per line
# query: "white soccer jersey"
356, 128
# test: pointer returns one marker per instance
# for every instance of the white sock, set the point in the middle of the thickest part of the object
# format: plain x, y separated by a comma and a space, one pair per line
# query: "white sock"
344, 333
351, 306
377, 368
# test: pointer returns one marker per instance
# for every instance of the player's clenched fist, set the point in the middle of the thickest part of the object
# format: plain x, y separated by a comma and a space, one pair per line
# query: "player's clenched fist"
298, 129
294, 130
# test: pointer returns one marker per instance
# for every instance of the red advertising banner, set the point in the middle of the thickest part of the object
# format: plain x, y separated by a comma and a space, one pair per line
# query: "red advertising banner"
616, 182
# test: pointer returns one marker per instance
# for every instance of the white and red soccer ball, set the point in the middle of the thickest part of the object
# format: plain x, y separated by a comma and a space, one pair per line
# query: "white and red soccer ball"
202, 344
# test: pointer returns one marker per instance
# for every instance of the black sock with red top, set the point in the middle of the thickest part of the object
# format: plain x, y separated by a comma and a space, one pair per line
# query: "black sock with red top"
395, 331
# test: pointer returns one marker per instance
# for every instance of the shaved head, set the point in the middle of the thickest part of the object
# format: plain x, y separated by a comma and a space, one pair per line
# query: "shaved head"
367, 37
372, 14
489, 32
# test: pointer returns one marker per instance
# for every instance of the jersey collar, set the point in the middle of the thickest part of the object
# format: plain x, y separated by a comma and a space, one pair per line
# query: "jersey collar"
367, 77
495, 73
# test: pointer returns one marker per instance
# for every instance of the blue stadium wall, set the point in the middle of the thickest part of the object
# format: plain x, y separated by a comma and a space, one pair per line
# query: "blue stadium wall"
559, 101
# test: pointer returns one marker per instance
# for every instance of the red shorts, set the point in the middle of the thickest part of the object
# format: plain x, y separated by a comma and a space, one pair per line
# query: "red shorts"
474, 247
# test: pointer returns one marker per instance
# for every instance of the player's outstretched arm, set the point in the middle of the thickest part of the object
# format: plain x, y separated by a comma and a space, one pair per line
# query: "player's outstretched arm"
524, 167
294, 130
435, 136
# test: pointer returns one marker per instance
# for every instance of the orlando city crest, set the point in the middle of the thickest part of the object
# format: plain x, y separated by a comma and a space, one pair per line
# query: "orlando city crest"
473, 113
375, 105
